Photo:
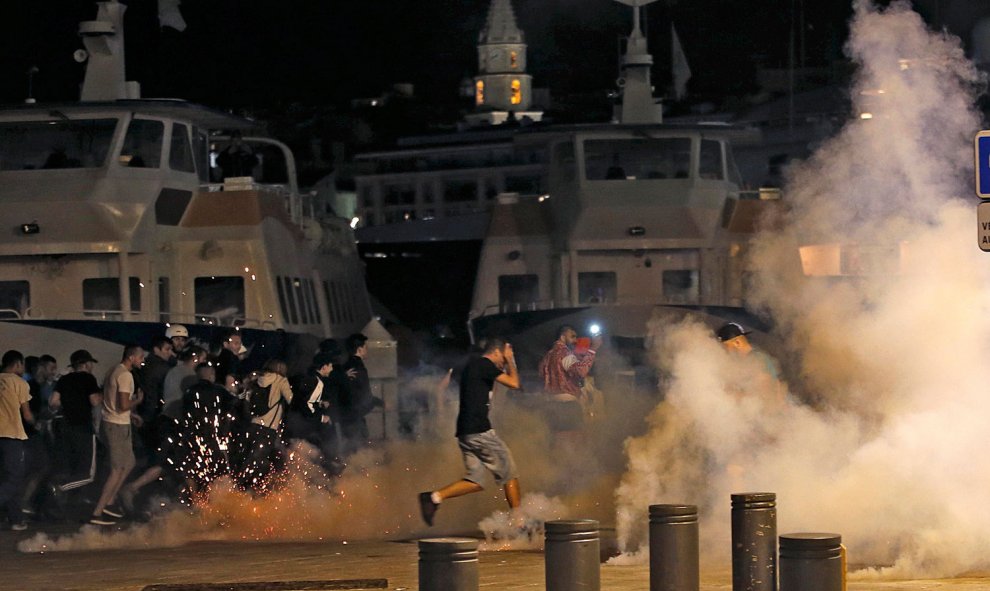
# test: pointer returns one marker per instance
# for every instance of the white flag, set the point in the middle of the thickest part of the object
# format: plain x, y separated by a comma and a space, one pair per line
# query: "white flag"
679, 66
169, 15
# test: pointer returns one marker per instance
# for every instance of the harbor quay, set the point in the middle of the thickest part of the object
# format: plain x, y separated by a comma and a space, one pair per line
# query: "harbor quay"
237, 564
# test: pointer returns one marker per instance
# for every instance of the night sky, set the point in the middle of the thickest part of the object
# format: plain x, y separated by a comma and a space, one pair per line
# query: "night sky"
261, 52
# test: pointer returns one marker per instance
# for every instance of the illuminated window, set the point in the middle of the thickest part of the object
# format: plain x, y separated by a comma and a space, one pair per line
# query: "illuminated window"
513, 60
516, 97
479, 92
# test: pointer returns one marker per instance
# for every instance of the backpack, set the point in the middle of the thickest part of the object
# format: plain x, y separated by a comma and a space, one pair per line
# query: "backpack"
258, 400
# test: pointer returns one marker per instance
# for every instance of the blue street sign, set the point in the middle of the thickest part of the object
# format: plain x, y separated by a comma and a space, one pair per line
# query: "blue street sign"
982, 150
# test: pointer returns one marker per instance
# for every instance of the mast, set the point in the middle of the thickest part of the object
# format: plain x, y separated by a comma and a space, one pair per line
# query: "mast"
638, 104
104, 40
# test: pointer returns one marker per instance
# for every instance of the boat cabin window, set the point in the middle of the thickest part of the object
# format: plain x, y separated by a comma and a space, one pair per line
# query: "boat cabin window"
300, 293
316, 304
15, 299
180, 154
164, 300
563, 163
102, 294
282, 300
331, 307
710, 161
596, 287
293, 316
202, 150
681, 286
517, 292
637, 159
221, 298
143, 144
80, 143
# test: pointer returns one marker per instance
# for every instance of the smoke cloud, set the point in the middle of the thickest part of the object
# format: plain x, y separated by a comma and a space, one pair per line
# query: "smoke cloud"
879, 297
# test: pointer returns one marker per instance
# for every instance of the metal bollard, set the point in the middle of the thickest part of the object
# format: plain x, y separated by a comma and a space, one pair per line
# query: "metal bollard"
754, 542
448, 564
572, 555
811, 562
674, 548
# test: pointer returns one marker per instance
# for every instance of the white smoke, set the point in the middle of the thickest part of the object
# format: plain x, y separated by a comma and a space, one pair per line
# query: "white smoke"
883, 438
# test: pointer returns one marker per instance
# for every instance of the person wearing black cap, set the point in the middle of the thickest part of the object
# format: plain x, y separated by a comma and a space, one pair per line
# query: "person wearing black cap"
733, 337
77, 393
357, 400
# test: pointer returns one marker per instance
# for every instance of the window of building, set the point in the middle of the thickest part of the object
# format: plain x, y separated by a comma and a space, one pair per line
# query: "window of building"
479, 92
103, 294
515, 95
180, 155
399, 195
513, 60
29, 145
597, 287
681, 286
164, 300
637, 159
220, 297
710, 161
518, 292
15, 298
143, 144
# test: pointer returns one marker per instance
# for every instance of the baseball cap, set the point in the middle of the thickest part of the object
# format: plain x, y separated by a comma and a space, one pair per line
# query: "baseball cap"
176, 330
730, 331
81, 356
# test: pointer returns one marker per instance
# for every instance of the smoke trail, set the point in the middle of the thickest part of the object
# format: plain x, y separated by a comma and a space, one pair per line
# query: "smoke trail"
883, 439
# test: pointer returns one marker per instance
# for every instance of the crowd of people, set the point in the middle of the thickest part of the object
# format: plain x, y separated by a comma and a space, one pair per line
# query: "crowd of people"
172, 413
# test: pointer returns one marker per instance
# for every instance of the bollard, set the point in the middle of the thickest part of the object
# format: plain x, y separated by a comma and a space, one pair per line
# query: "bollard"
674, 548
448, 564
811, 562
754, 542
572, 555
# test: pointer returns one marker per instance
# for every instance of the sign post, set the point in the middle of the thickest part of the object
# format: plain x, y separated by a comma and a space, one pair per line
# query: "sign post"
981, 150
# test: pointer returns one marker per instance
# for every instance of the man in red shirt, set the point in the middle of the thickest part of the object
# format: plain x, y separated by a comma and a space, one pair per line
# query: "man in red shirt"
563, 370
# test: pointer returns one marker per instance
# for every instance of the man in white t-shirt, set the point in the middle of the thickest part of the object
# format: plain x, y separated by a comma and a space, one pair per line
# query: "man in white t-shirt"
119, 397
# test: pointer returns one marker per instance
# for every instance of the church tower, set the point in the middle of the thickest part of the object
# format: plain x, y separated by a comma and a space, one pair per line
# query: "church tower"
502, 84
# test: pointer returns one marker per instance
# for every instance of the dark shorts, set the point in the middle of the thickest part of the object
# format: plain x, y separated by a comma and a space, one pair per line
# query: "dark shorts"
486, 451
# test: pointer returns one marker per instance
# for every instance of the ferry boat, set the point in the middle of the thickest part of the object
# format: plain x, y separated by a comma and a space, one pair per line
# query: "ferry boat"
117, 223
637, 218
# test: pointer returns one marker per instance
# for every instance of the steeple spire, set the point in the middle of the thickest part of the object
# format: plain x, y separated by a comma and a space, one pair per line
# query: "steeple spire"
500, 25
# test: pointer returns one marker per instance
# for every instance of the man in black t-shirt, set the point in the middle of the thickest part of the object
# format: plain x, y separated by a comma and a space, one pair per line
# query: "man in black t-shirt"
481, 448
77, 394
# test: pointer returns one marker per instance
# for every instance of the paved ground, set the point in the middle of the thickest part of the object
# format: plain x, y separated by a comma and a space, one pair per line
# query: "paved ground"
224, 562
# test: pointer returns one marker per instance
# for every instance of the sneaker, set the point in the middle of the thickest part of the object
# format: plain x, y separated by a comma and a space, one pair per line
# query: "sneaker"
427, 508
102, 521
113, 511
19, 526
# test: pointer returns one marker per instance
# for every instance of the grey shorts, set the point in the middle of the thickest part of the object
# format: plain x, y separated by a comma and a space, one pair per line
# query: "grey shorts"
481, 451
118, 441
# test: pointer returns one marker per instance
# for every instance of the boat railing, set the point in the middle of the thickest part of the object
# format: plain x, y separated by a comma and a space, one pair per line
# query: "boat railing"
139, 316
9, 314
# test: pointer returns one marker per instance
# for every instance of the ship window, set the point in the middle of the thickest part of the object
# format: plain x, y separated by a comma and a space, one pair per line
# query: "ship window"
681, 286
515, 95
29, 145
180, 152
219, 297
282, 299
460, 191
330, 309
15, 298
142, 144
201, 146
596, 287
637, 159
289, 297
164, 300
316, 302
517, 292
710, 161
300, 303
310, 313
103, 294
399, 195
479, 92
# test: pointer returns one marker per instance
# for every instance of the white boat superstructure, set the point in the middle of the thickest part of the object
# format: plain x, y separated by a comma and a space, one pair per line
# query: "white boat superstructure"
112, 215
